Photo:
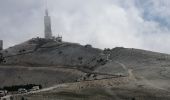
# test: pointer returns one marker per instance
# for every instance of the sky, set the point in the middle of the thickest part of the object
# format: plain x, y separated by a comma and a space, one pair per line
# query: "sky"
143, 24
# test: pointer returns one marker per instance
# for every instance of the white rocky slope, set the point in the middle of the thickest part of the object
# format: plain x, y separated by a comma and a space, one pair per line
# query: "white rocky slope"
48, 62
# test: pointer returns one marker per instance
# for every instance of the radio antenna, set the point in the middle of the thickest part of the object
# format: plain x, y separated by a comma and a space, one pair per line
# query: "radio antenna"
46, 7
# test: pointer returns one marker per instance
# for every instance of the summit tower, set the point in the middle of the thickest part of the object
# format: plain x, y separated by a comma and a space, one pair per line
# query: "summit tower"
47, 25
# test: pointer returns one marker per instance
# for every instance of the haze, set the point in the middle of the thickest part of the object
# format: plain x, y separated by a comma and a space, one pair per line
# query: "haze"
143, 24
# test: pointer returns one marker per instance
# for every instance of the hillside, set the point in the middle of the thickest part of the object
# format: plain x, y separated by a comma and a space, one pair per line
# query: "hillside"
49, 63
37, 60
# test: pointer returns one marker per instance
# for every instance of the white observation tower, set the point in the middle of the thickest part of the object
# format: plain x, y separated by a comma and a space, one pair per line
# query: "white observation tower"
47, 25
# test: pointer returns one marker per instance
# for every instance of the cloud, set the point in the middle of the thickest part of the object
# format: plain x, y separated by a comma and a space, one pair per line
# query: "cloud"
102, 23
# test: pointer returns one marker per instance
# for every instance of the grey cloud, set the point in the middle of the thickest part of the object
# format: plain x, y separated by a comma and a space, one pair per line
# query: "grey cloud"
102, 23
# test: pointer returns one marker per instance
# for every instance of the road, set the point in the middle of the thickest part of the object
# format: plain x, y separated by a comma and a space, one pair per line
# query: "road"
33, 92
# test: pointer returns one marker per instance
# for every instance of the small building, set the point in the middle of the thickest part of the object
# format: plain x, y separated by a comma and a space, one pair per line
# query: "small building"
35, 88
1, 44
88, 46
22, 91
58, 38
3, 93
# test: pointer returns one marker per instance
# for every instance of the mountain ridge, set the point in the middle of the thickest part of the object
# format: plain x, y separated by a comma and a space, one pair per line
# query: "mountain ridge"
49, 62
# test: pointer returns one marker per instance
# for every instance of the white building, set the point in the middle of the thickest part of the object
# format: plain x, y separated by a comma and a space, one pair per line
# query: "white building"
47, 26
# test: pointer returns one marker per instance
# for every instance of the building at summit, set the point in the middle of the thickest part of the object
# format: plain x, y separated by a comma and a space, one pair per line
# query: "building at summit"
47, 28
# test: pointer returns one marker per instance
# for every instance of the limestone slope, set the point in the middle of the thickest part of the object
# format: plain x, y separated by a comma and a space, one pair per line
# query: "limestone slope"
84, 62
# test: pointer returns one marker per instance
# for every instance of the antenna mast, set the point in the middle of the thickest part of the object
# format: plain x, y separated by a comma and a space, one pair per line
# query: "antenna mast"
47, 23
46, 7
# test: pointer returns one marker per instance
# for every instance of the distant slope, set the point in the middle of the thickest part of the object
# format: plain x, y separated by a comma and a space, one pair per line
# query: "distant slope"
141, 57
143, 66
19, 75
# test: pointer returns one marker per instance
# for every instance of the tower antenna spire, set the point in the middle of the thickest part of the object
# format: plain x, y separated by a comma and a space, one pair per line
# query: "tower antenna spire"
45, 1
47, 23
46, 8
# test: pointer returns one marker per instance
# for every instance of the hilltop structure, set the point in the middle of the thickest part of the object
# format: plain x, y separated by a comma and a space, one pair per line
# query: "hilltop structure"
47, 25
48, 29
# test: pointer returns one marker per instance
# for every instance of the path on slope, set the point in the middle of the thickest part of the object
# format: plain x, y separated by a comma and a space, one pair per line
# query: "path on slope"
143, 80
130, 71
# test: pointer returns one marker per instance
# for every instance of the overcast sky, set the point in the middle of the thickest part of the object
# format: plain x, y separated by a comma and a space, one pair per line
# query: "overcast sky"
143, 24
